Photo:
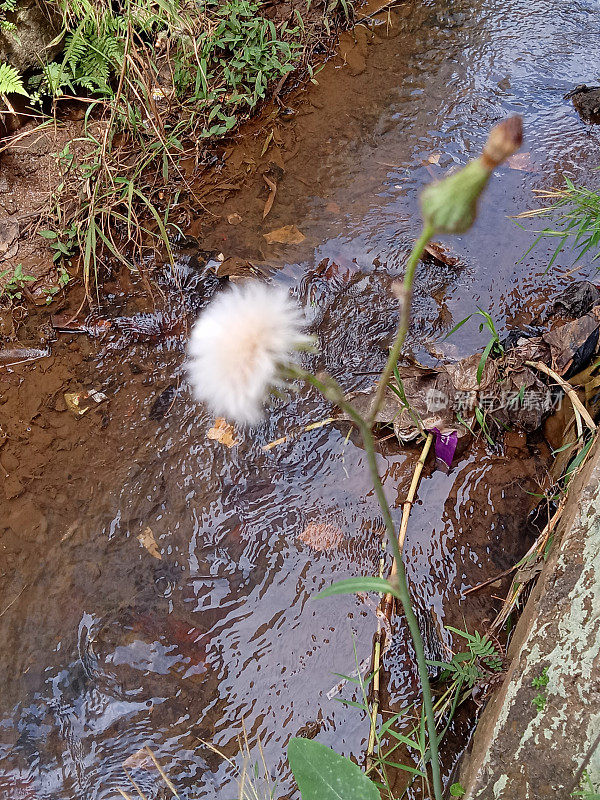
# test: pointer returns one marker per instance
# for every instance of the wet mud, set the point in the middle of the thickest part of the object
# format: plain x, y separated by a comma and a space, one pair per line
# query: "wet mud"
156, 584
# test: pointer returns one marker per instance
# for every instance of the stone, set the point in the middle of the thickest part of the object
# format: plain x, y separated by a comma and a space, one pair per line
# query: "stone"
38, 25
521, 751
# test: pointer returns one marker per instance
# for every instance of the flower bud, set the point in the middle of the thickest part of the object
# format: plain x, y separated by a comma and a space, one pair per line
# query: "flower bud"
450, 205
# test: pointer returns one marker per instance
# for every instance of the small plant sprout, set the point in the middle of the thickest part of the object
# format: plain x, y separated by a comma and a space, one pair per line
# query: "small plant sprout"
539, 702
240, 348
542, 680
14, 287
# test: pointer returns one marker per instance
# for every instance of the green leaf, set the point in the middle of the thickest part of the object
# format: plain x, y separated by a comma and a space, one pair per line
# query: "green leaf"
10, 81
457, 326
353, 585
322, 774
456, 790
484, 358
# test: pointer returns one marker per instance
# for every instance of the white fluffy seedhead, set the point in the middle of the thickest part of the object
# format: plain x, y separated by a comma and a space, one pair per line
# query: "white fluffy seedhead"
238, 346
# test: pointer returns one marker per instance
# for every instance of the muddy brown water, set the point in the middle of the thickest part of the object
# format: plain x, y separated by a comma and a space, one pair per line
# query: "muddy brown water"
106, 648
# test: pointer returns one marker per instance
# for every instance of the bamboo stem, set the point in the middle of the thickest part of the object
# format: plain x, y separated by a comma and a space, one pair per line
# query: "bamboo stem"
388, 600
406, 509
569, 391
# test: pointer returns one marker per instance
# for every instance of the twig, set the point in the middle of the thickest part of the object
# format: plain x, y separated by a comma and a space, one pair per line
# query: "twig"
569, 391
14, 600
493, 579
162, 772
584, 763
376, 667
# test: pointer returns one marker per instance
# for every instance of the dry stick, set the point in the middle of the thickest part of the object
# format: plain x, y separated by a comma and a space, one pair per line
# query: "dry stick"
376, 667
579, 774
569, 391
388, 600
162, 772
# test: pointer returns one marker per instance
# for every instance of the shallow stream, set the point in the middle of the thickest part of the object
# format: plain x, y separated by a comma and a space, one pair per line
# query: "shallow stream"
105, 646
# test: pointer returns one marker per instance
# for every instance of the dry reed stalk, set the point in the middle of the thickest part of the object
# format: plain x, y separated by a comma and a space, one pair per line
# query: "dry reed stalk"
162, 772
388, 600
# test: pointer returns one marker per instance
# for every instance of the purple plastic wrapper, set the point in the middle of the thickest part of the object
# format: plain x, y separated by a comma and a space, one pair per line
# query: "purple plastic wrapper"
445, 447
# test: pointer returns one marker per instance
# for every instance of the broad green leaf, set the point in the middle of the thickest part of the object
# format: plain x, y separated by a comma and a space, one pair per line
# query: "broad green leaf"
322, 774
353, 585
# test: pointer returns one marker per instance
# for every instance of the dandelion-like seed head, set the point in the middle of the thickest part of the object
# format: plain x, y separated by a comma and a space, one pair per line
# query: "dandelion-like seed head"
238, 347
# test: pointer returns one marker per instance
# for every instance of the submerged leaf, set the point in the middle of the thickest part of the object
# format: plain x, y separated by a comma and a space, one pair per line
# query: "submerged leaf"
223, 432
146, 538
289, 234
353, 585
321, 536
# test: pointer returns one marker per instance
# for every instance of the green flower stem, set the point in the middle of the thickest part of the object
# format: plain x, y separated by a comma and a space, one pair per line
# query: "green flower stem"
406, 300
333, 392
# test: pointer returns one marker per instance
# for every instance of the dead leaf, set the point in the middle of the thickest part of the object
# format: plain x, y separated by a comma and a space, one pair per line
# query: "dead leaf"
223, 432
434, 158
289, 234
521, 161
81, 402
528, 571
272, 192
146, 538
234, 219
437, 252
237, 268
321, 536
139, 760
266, 144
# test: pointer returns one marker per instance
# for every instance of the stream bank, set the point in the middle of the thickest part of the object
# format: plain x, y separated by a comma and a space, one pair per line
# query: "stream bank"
110, 647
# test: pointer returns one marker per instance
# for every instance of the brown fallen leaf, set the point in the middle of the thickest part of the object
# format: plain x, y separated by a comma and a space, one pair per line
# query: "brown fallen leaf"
434, 158
272, 192
139, 760
223, 432
289, 234
235, 267
437, 252
146, 538
521, 161
321, 536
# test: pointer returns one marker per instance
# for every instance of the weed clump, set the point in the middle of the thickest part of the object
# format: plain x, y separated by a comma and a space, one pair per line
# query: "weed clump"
160, 80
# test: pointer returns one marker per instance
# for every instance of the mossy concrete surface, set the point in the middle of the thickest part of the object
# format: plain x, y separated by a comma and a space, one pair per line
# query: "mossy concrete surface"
520, 753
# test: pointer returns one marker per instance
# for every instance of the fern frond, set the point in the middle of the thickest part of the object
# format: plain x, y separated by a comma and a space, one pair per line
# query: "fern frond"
10, 81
